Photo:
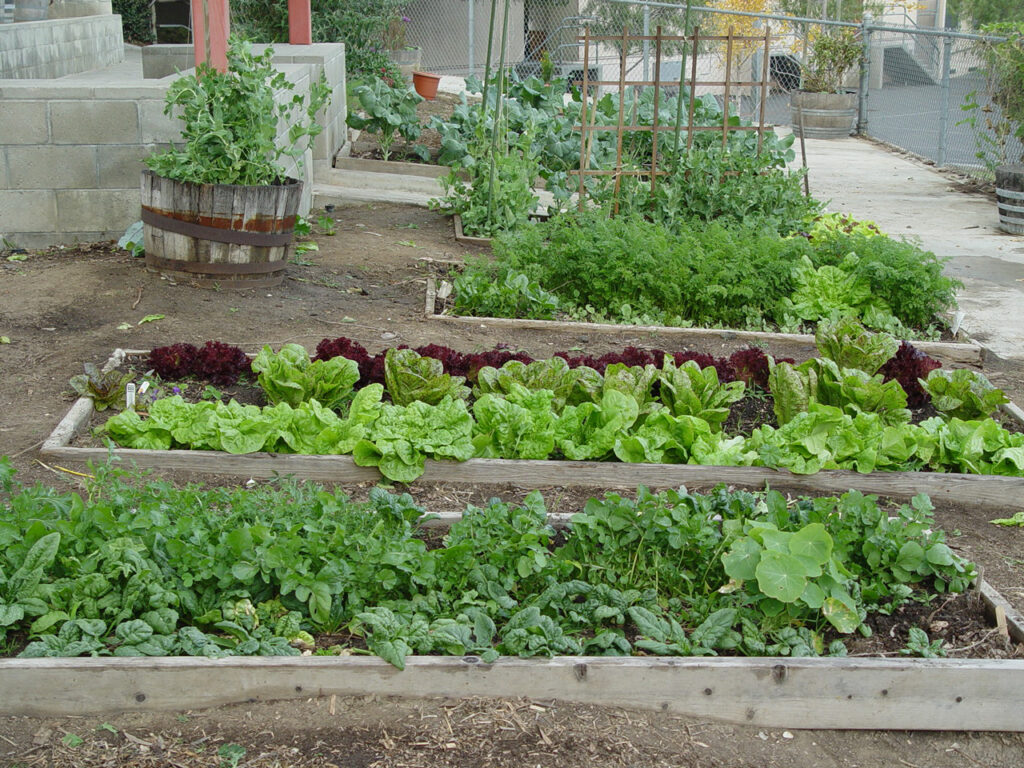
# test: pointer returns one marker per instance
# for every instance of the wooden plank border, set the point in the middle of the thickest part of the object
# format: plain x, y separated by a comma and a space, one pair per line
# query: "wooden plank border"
823, 693
962, 353
990, 491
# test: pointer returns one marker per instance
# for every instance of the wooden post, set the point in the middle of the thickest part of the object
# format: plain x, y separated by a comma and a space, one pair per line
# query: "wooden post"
300, 22
212, 48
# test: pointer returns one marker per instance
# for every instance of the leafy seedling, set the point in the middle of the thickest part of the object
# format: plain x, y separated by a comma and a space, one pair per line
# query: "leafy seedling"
132, 240
326, 225
230, 755
1016, 520
125, 326
5, 339
105, 388
72, 740
408, 243
18, 257
151, 319
918, 644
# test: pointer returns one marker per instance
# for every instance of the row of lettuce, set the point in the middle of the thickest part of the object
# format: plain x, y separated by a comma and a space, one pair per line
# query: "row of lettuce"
832, 412
136, 568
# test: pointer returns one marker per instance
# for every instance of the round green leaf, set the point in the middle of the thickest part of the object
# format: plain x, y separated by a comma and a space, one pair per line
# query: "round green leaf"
812, 541
781, 576
741, 561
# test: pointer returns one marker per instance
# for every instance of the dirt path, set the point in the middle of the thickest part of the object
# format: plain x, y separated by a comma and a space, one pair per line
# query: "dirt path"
67, 307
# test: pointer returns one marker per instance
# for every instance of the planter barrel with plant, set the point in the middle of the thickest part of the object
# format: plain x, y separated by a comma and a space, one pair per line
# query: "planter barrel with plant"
823, 108
1000, 136
220, 210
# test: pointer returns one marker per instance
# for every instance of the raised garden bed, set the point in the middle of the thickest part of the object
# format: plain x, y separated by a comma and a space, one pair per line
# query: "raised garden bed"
961, 352
783, 691
995, 492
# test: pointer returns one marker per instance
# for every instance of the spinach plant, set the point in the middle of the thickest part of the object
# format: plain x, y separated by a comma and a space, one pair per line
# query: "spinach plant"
390, 112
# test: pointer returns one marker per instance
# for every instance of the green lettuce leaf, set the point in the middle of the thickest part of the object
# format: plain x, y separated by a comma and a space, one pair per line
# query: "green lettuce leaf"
850, 345
519, 426
589, 431
689, 390
410, 377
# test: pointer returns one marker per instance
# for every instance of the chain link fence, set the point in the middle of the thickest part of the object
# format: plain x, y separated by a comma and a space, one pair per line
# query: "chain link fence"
913, 79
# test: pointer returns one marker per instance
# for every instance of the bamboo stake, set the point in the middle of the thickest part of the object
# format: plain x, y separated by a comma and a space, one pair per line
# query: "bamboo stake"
622, 116
584, 132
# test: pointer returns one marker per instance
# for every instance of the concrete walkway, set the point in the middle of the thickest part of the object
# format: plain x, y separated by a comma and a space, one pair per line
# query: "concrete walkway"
906, 197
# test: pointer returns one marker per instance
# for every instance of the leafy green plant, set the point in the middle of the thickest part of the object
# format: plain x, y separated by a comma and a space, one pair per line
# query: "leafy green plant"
850, 345
498, 194
403, 437
230, 121
289, 376
566, 385
1001, 120
106, 389
918, 644
390, 112
410, 377
514, 295
962, 393
832, 56
690, 390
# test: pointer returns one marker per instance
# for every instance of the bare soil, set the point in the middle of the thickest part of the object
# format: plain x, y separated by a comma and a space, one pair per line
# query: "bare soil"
69, 306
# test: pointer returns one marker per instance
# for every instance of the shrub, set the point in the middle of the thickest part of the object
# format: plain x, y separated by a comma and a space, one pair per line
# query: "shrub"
136, 20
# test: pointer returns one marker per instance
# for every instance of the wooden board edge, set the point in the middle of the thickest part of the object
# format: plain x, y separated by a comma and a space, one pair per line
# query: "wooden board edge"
989, 491
949, 352
465, 239
994, 603
431, 300
74, 421
887, 694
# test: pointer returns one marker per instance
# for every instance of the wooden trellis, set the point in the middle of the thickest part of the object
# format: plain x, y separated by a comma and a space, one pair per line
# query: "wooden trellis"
691, 43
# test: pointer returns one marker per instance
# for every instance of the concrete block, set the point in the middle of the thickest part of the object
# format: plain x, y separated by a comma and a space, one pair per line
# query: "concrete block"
23, 122
51, 167
94, 122
90, 210
118, 167
154, 125
4, 184
24, 210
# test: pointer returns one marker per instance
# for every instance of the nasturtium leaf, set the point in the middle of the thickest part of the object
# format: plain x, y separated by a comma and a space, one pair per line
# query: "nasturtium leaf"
813, 595
813, 542
840, 616
781, 576
741, 561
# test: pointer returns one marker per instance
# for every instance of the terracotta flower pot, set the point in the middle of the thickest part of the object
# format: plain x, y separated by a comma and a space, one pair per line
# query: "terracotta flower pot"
425, 84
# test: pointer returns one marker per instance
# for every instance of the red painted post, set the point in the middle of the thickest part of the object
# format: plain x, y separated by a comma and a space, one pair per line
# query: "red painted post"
215, 46
300, 22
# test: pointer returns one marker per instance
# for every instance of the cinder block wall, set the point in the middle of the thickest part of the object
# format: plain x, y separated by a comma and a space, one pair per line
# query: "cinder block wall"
71, 155
59, 47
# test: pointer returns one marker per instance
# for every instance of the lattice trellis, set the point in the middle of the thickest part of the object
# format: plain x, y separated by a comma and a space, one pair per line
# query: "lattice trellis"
692, 44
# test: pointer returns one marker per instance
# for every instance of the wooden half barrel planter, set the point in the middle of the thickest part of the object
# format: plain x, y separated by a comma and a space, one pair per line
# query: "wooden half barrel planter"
823, 115
1010, 198
219, 235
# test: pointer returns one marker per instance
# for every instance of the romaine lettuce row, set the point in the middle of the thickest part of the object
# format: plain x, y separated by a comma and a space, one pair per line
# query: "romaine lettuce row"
290, 377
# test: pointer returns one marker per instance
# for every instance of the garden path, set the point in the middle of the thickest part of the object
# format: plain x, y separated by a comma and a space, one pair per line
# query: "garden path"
905, 196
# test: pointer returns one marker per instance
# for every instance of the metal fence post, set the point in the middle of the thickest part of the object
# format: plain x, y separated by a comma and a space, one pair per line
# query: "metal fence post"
647, 43
470, 29
947, 65
865, 75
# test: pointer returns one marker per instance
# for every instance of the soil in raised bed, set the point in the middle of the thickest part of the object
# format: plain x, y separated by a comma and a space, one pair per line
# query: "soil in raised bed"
366, 146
